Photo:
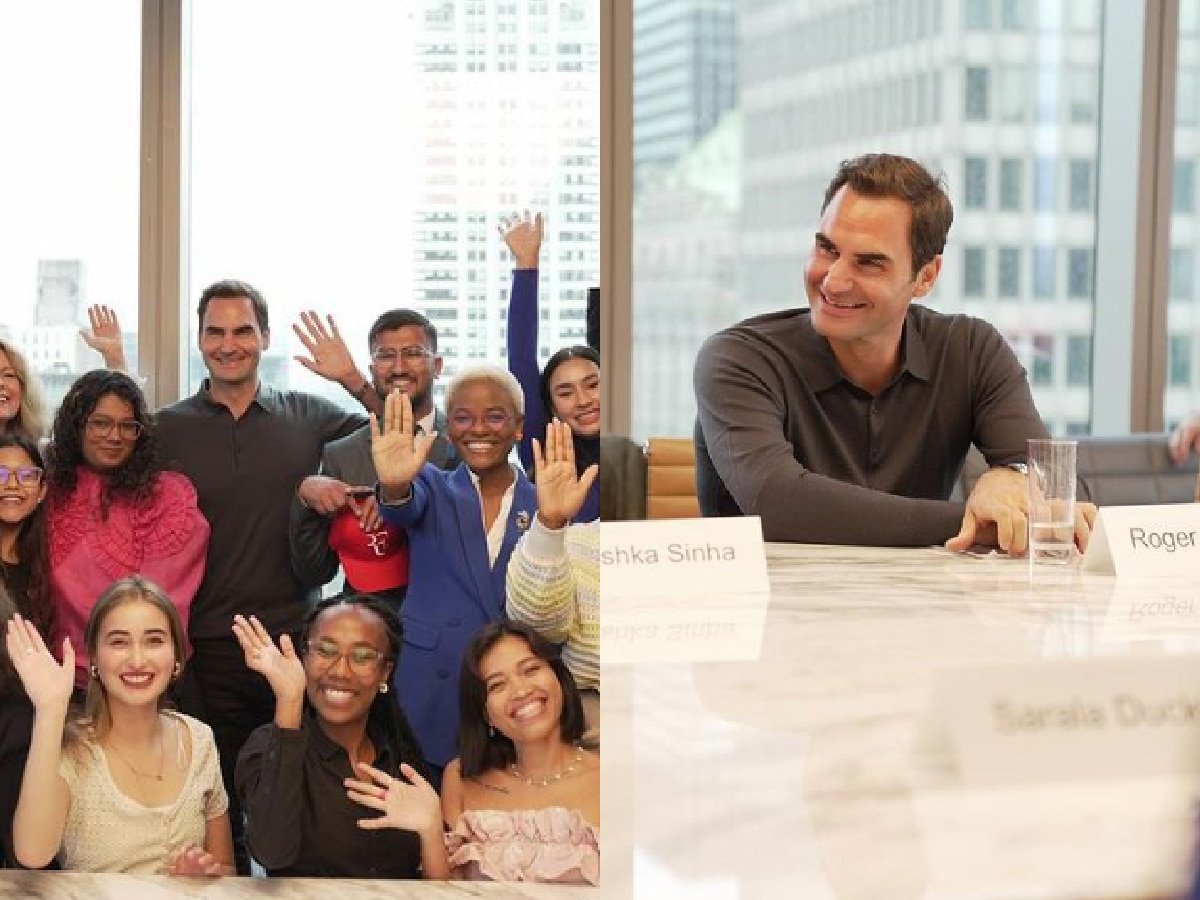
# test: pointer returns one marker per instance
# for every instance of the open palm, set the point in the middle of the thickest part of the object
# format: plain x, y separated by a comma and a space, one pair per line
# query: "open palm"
561, 492
47, 683
411, 805
523, 235
280, 665
398, 453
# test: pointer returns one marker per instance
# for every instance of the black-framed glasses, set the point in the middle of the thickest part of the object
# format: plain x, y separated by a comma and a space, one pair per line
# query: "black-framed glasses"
27, 476
362, 660
390, 354
102, 427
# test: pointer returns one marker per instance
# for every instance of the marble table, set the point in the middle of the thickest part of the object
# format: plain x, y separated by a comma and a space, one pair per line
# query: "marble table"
81, 886
761, 747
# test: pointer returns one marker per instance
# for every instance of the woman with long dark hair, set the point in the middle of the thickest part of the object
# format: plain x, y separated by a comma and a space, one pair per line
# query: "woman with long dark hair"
334, 715
113, 510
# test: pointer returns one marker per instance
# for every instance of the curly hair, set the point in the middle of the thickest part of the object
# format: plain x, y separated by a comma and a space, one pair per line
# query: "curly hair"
136, 476
32, 557
481, 748
30, 420
385, 715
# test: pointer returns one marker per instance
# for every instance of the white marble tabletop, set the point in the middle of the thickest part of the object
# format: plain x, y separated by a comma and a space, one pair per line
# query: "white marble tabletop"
767, 747
83, 886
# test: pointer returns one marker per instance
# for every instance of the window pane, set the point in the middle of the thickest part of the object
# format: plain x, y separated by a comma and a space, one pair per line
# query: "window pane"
1011, 175
1079, 360
1014, 93
69, 169
1179, 361
1079, 272
974, 271
1081, 185
1044, 264
1182, 280
1183, 191
978, 81
975, 191
1182, 392
378, 178
1045, 176
1008, 272
979, 14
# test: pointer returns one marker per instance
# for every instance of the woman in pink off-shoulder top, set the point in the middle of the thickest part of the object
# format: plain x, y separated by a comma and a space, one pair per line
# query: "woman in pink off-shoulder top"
523, 798
112, 510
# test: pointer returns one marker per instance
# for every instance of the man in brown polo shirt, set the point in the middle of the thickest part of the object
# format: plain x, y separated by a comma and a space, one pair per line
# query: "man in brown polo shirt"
848, 422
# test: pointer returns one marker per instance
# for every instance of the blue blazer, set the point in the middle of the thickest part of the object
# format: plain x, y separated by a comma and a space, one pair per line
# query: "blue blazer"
452, 593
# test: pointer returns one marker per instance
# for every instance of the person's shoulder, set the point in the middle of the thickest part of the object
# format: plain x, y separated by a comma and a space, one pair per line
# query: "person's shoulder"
180, 409
934, 321
174, 485
361, 435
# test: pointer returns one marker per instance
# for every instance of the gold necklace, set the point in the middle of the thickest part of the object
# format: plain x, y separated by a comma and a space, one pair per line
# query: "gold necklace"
157, 776
546, 780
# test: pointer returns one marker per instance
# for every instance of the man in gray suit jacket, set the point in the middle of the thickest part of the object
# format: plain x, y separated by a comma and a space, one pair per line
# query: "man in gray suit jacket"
333, 518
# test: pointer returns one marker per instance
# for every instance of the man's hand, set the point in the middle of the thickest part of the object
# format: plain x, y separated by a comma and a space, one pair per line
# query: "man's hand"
398, 453
328, 355
323, 494
1000, 500
1185, 439
524, 238
105, 336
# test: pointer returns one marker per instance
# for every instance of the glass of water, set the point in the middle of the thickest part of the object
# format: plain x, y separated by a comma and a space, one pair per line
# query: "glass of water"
1051, 502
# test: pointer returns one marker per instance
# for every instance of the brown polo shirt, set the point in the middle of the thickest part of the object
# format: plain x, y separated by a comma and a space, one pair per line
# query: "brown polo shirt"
783, 434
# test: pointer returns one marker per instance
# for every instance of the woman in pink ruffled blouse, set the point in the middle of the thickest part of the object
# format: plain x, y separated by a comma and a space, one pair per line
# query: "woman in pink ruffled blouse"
112, 509
523, 798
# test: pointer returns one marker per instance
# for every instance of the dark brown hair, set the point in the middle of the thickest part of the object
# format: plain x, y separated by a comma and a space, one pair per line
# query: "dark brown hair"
231, 289
32, 551
886, 175
481, 748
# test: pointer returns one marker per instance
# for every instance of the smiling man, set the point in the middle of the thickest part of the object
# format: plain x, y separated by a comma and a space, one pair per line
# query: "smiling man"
848, 422
246, 447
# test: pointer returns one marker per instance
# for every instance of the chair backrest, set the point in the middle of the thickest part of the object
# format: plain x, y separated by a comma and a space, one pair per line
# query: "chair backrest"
1129, 470
671, 479
622, 480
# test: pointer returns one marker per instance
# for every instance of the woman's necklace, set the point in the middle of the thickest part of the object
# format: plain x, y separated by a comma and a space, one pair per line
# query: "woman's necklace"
157, 776
544, 781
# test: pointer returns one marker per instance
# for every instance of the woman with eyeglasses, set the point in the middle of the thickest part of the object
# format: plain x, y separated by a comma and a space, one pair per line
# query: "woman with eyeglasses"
24, 574
335, 718
113, 510
462, 527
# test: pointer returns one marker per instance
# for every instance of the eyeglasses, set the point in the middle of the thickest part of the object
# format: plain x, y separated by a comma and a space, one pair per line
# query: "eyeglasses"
27, 476
390, 354
102, 427
362, 660
493, 419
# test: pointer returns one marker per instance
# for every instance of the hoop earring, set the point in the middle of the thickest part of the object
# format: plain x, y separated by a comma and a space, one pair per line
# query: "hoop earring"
383, 687
94, 672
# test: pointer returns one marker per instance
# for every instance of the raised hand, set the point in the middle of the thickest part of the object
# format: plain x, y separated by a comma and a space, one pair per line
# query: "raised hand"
398, 453
409, 803
47, 683
194, 862
560, 492
329, 356
523, 235
280, 665
105, 336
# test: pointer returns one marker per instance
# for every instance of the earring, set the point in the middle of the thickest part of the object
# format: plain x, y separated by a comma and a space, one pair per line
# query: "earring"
178, 669
491, 731
94, 672
383, 687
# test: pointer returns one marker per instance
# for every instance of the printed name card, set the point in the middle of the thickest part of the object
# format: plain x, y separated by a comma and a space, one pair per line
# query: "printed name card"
683, 558
1065, 720
1145, 540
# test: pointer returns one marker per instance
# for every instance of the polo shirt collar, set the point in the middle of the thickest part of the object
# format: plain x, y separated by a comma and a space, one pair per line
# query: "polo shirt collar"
267, 397
820, 367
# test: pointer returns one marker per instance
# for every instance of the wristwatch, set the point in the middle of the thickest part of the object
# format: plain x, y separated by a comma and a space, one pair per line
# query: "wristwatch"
1020, 467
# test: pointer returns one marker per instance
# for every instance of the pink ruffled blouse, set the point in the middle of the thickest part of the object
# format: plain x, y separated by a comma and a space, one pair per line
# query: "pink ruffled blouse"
552, 845
164, 538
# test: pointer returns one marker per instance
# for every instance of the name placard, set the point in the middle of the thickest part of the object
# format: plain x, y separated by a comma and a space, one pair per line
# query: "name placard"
705, 629
1145, 540
1066, 720
1152, 609
683, 558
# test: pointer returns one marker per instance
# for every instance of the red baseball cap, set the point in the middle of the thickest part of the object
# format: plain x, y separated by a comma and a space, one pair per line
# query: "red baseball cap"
372, 560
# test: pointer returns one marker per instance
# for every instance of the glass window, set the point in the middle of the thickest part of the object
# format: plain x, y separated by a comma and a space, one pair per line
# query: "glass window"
441, 150
1014, 93
1182, 276
979, 14
1183, 192
1008, 272
1079, 360
69, 171
975, 190
1083, 87
1079, 273
1045, 177
977, 89
1081, 185
1045, 261
1046, 87
974, 271
1013, 15
1041, 373
1011, 175
1179, 360
1187, 95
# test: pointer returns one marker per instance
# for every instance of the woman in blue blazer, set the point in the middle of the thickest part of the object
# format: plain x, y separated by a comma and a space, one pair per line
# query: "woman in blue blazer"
462, 526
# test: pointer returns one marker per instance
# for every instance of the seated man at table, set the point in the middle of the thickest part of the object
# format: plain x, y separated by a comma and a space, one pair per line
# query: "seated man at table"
848, 422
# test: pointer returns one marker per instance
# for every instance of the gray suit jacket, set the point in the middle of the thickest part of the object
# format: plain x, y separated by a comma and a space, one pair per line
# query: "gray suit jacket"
348, 460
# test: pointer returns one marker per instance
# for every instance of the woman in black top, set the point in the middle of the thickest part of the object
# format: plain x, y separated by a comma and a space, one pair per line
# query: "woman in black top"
23, 580
333, 712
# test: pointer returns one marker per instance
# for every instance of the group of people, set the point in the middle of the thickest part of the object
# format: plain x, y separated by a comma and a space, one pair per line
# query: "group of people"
177, 698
